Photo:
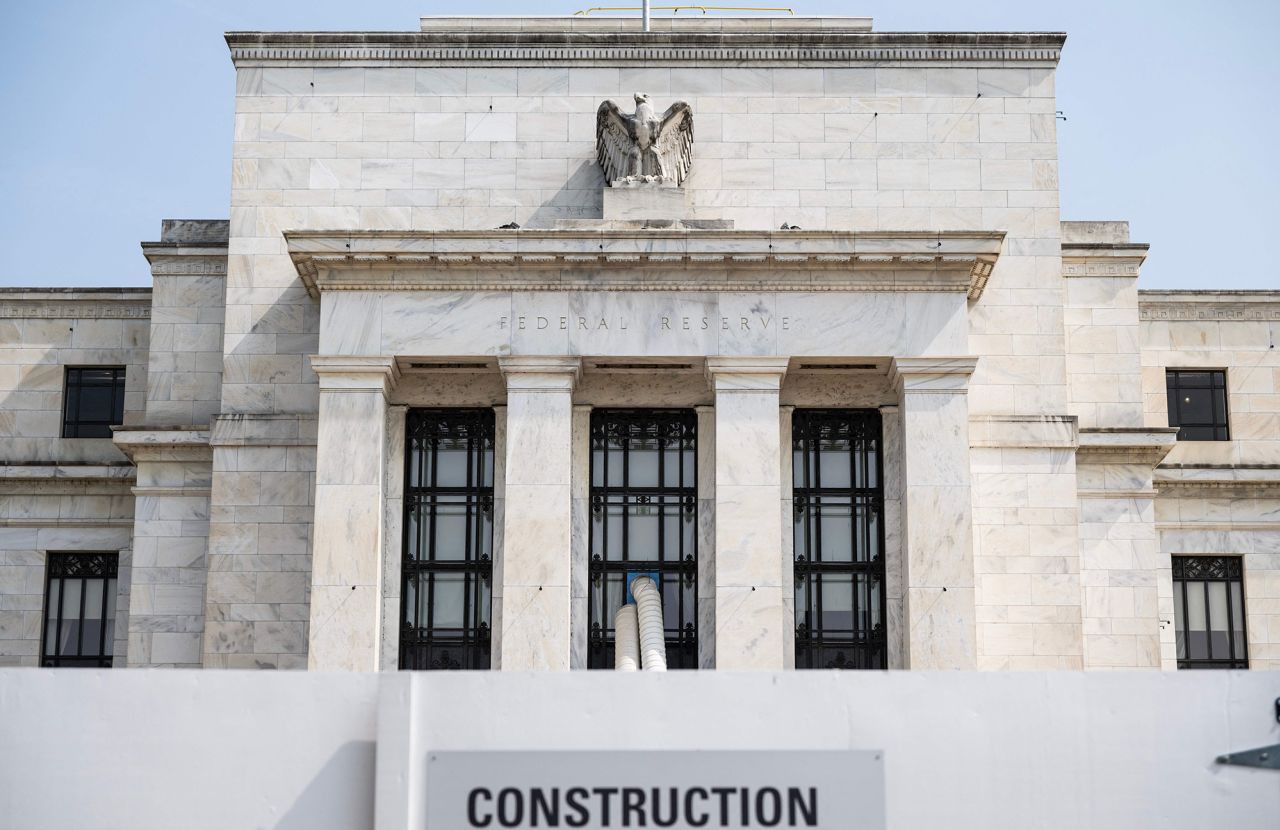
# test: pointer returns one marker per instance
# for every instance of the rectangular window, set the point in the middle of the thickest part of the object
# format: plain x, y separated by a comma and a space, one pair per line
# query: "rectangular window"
79, 610
1208, 609
93, 401
644, 520
446, 579
1198, 403
838, 509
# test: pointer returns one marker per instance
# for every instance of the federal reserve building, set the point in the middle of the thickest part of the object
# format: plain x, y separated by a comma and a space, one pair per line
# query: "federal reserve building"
779, 313
727, 351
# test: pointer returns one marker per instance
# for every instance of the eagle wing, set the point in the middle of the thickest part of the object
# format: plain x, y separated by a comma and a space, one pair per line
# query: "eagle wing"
615, 138
675, 141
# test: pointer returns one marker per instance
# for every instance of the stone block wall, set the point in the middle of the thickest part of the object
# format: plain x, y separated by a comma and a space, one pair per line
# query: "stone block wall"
42, 331
1221, 497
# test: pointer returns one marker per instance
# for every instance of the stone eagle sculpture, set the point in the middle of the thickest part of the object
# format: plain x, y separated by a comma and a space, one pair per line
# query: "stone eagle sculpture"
644, 147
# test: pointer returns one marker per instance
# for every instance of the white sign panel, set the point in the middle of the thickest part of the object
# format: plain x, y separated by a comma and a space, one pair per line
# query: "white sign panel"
644, 789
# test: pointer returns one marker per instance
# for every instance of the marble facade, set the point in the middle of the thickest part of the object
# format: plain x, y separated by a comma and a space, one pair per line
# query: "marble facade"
1034, 492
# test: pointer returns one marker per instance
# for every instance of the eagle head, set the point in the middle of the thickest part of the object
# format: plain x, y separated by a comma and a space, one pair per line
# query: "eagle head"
641, 98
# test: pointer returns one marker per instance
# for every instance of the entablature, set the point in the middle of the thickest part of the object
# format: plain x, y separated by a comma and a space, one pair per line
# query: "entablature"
645, 260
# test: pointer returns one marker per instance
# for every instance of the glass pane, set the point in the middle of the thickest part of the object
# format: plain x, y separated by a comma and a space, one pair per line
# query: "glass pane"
111, 616
451, 528
448, 600
451, 463
834, 465
642, 530
872, 540
671, 467
96, 403
70, 645
409, 602
837, 602
1219, 643
1179, 624
597, 463
690, 467
92, 629
614, 536
797, 467
1237, 621
1196, 406
671, 527
836, 527
486, 466
1197, 625
51, 616
614, 462
644, 463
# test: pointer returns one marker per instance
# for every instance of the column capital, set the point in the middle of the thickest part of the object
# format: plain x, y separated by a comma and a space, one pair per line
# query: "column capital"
356, 373
932, 374
746, 373
533, 373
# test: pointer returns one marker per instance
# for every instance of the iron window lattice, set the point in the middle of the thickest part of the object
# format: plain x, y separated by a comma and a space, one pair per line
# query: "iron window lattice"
446, 578
1197, 401
80, 610
838, 522
1209, 615
644, 519
93, 401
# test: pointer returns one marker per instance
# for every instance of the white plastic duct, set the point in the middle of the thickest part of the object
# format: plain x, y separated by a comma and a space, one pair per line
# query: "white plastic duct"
626, 634
653, 644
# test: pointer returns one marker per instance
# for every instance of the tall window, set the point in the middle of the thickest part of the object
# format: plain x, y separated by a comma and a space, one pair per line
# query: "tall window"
79, 610
447, 569
644, 519
1198, 403
93, 401
1208, 610
839, 539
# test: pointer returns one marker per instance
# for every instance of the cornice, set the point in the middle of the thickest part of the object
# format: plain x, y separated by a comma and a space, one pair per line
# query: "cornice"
1209, 305
1253, 480
112, 304
1103, 260
1139, 445
644, 260
181, 443
549, 48
179, 259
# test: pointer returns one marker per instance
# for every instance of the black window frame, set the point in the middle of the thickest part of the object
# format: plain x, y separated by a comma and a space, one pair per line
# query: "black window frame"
1203, 571
864, 645
675, 430
468, 645
64, 568
1179, 383
74, 422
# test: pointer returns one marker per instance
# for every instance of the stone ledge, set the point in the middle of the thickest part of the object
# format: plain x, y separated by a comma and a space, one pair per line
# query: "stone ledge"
1254, 479
178, 443
67, 472
1124, 445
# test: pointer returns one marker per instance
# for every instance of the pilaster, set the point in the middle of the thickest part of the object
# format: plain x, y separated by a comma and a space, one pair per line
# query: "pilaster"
347, 544
751, 618
538, 520
939, 598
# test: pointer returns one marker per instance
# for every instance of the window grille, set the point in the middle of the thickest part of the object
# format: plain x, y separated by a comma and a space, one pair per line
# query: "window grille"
93, 401
644, 519
838, 516
1208, 609
1198, 404
79, 610
447, 566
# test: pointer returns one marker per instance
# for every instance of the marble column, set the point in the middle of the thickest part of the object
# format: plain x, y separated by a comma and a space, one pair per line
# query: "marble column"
581, 545
706, 536
751, 624
347, 537
937, 538
537, 532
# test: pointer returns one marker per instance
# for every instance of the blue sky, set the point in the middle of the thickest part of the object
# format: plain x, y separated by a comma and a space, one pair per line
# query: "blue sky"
118, 114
